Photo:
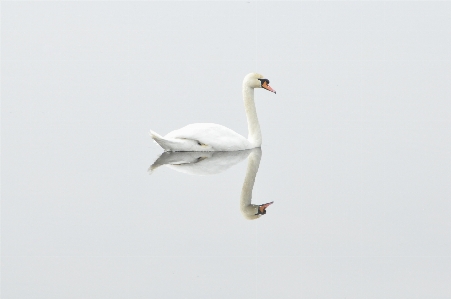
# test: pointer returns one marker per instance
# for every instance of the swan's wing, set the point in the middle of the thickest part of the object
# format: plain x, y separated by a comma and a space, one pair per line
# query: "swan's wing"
177, 144
212, 136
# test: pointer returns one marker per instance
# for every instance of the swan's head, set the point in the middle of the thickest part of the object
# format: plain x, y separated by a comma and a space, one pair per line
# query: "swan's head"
255, 80
252, 212
262, 208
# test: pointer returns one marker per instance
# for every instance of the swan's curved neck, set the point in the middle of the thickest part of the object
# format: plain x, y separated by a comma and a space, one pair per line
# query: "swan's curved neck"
255, 135
249, 210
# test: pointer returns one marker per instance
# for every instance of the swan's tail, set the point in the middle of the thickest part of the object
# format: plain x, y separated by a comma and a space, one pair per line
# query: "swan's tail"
166, 144
152, 167
158, 139
155, 135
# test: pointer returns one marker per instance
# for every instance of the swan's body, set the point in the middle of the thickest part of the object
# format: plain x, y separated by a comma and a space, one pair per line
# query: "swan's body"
204, 137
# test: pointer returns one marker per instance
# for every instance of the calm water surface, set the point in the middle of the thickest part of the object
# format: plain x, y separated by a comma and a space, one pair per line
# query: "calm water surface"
364, 201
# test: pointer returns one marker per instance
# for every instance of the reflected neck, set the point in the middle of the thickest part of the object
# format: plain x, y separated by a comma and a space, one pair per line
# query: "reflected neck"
247, 208
255, 135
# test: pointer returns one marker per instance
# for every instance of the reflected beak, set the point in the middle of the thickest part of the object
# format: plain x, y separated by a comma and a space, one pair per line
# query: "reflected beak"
267, 87
262, 208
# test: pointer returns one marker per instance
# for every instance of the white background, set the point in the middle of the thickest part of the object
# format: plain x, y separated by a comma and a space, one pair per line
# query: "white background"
356, 150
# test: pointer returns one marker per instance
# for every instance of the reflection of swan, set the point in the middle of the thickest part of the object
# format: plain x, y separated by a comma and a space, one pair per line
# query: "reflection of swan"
201, 137
199, 163
207, 163
249, 210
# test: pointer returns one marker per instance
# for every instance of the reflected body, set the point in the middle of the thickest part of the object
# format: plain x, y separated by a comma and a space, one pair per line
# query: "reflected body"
202, 137
199, 163
208, 163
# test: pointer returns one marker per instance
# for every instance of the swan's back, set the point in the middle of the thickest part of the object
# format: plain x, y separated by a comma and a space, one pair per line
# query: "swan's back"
212, 137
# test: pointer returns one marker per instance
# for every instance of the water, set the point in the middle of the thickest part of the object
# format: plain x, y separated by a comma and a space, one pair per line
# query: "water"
355, 155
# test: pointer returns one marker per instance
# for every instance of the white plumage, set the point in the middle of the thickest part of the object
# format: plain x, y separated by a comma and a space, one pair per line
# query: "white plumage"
200, 137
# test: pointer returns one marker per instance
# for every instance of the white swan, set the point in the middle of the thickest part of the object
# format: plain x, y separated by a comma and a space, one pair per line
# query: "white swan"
207, 137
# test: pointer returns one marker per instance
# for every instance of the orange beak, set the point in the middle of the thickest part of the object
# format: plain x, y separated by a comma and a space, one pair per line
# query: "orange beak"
266, 86
263, 207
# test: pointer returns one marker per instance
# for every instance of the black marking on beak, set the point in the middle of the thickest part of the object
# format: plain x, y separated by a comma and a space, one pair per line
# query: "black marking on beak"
261, 210
263, 81
260, 213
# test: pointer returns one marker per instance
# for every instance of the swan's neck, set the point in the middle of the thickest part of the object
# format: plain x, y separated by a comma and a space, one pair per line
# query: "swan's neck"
255, 135
247, 208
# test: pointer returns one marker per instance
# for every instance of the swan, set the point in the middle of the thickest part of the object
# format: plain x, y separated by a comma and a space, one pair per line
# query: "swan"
209, 137
209, 163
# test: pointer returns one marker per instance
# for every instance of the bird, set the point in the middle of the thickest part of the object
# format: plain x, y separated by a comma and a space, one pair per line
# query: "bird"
209, 137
